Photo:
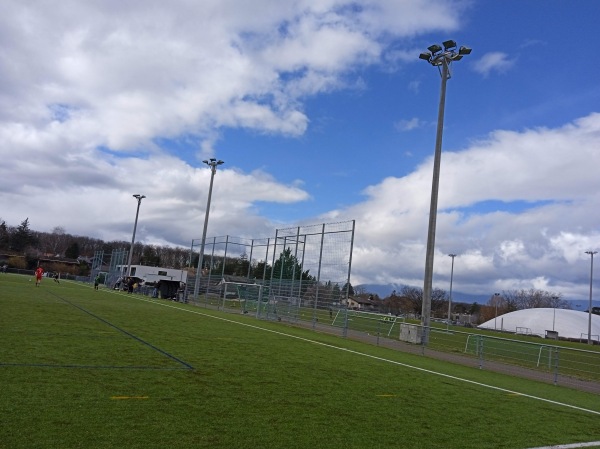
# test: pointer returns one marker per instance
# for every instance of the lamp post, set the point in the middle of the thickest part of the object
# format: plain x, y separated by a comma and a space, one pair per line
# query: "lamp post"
554, 300
212, 164
450, 298
139, 199
441, 58
591, 253
496, 297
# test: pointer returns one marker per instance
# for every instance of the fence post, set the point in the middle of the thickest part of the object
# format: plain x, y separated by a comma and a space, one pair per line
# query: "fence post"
345, 328
556, 364
480, 351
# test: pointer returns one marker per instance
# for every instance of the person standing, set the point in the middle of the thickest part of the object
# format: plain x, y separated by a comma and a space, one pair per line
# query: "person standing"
130, 283
39, 272
96, 281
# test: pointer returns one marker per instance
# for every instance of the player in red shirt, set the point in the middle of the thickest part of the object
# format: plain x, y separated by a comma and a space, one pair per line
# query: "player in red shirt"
38, 276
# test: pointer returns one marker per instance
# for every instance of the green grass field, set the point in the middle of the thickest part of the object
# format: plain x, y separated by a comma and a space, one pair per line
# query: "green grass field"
100, 369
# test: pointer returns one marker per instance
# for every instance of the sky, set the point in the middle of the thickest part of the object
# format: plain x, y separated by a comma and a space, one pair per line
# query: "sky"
322, 112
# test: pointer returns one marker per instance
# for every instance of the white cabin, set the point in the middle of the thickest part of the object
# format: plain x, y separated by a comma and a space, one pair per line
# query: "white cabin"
154, 274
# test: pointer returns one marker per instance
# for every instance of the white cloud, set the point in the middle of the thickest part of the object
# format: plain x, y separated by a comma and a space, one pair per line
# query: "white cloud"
409, 125
88, 90
539, 227
493, 62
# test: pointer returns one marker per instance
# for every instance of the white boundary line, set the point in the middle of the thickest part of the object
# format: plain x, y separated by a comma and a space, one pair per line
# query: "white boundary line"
381, 359
570, 446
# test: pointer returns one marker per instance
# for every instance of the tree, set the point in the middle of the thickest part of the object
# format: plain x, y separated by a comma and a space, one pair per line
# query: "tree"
530, 299
415, 296
260, 269
72, 252
288, 267
348, 287
4, 235
22, 237
150, 256
54, 243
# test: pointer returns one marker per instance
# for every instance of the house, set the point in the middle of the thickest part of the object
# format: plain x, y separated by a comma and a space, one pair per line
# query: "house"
358, 303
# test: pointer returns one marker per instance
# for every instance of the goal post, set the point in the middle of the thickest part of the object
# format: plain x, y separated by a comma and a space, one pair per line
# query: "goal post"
240, 296
370, 322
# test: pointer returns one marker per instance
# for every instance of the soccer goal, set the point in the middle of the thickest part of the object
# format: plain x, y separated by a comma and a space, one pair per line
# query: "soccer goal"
242, 297
280, 308
370, 322
584, 337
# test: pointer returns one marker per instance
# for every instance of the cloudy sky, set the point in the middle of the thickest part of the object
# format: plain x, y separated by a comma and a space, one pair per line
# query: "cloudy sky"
322, 112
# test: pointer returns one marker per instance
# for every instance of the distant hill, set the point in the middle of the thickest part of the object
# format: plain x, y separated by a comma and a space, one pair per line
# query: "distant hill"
384, 290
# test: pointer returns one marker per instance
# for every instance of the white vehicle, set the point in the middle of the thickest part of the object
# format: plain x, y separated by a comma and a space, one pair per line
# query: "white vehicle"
154, 274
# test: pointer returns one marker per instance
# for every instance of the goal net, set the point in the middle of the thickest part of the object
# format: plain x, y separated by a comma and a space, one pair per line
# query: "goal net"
372, 323
523, 330
242, 297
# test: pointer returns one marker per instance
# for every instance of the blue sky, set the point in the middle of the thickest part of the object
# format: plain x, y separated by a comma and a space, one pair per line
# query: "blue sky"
322, 111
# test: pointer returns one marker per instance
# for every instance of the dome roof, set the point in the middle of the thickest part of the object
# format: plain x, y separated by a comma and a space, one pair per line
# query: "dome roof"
568, 323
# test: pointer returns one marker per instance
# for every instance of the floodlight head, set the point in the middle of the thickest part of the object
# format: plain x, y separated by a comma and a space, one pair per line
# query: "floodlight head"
205, 161
139, 197
435, 48
212, 159
426, 56
219, 162
449, 44
457, 57
464, 50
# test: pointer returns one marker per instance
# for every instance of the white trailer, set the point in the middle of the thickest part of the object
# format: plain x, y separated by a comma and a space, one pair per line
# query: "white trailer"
154, 274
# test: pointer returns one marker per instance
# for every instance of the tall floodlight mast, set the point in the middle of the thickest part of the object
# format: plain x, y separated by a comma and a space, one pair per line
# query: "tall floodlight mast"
441, 58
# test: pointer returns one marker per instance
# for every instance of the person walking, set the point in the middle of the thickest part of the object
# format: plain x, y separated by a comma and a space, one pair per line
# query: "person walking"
39, 272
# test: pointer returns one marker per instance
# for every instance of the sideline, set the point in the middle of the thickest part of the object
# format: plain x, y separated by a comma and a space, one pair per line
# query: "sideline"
381, 359
570, 446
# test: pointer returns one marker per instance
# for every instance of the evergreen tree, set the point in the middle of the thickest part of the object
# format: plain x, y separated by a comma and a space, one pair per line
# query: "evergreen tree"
288, 267
22, 237
72, 251
348, 287
4, 235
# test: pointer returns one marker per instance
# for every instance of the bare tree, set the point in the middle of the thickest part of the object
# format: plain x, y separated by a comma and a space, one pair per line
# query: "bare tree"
439, 298
512, 300
56, 242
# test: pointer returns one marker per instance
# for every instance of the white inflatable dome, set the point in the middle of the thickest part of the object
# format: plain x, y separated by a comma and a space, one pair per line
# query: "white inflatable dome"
568, 323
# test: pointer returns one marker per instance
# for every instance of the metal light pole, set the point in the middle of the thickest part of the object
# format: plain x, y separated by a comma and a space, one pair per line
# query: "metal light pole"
591, 253
440, 58
212, 164
496, 296
450, 299
554, 299
139, 199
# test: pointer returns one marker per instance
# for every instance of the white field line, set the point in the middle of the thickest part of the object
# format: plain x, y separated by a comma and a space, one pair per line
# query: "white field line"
381, 359
571, 446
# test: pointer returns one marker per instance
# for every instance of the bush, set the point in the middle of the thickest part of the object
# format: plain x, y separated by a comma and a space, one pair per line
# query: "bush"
17, 262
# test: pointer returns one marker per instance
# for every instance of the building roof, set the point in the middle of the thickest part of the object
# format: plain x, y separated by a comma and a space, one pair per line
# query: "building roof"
568, 323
